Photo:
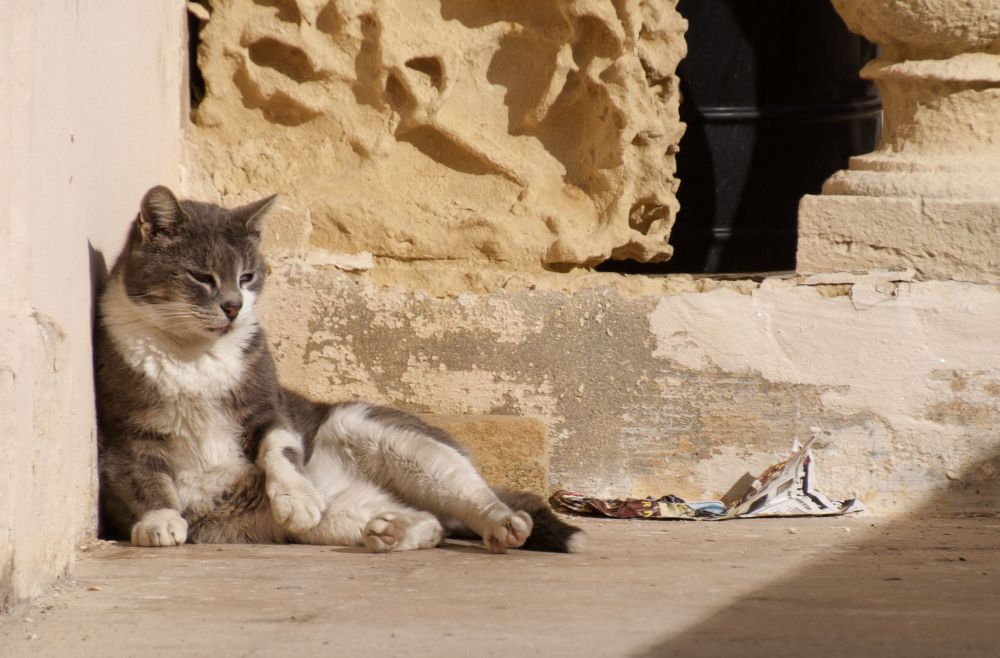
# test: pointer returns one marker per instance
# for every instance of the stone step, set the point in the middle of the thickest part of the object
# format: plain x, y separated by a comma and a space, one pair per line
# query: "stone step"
510, 451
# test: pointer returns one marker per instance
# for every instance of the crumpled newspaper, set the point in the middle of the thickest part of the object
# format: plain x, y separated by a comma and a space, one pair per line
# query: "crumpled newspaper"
786, 488
666, 507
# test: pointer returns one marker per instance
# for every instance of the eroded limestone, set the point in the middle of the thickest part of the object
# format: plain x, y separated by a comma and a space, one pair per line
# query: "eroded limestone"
531, 133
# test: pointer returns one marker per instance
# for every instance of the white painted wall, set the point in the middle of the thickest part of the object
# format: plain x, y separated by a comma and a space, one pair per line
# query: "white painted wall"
91, 98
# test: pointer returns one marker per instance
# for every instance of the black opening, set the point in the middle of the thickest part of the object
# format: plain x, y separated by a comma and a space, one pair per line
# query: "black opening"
773, 105
196, 82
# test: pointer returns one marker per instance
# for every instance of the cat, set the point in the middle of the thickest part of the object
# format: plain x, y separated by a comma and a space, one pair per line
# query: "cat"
200, 443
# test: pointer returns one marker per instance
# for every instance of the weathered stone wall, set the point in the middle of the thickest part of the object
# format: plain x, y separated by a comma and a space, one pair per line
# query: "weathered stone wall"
90, 118
678, 386
437, 157
537, 133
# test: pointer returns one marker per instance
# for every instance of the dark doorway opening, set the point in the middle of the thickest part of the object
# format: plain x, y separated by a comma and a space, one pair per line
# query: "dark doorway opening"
773, 105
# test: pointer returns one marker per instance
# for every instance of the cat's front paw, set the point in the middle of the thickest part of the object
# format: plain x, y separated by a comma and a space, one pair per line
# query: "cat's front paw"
160, 527
510, 531
295, 504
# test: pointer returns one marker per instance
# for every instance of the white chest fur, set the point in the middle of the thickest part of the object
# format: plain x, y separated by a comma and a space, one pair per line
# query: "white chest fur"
204, 449
201, 371
192, 386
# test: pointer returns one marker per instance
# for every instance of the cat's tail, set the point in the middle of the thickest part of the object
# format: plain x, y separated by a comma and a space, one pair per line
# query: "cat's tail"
550, 532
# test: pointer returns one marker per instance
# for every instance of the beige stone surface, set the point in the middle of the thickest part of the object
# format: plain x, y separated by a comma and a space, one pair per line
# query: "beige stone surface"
90, 118
939, 77
856, 586
681, 390
534, 133
925, 29
939, 238
510, 451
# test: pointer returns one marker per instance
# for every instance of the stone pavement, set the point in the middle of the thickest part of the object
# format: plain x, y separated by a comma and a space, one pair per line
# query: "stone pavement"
857, 586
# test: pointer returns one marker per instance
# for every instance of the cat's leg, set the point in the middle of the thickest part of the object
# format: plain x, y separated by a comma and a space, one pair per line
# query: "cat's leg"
422, 466
358, 513
295, 503
141, 495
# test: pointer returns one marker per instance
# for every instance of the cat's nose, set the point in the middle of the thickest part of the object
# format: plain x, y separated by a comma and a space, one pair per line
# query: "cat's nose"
231, 307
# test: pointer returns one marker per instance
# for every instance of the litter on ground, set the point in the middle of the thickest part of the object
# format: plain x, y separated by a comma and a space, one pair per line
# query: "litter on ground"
787, 488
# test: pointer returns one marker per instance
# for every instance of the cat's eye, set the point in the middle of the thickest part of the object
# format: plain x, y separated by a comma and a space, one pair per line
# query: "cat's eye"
246, 278
204, 278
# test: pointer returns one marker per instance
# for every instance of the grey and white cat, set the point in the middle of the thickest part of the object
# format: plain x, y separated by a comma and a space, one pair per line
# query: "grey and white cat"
200, 443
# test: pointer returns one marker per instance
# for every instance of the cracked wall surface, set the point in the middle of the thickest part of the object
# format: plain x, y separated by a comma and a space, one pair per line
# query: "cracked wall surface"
532, 133
679, 386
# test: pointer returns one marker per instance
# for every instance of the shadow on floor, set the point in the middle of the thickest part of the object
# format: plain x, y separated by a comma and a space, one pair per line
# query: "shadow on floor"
950, 608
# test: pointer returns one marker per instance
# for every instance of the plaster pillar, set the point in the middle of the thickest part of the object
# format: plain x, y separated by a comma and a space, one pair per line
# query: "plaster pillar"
929, 196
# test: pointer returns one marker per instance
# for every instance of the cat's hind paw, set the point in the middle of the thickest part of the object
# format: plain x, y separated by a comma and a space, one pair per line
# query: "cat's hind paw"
510, 531
400, 532
384, 532
160, 527
295, 505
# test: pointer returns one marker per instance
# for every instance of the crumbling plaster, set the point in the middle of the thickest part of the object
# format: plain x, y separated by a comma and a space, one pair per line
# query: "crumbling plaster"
90, 118
672, 390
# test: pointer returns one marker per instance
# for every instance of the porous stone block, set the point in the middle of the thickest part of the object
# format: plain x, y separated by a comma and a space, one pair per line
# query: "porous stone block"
939, 238
287, 231
536, 133
510, 451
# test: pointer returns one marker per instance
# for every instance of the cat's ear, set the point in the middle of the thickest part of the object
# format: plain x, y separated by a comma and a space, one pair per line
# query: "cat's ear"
252, 215
160, 214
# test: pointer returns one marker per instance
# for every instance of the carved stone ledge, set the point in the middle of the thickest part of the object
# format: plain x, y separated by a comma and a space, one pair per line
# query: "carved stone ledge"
939, 77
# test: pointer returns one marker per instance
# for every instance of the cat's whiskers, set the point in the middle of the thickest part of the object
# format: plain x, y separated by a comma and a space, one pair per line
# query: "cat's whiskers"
151, 293
173, 323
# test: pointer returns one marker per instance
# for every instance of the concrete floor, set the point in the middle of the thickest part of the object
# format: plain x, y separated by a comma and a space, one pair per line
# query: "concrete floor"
855, 586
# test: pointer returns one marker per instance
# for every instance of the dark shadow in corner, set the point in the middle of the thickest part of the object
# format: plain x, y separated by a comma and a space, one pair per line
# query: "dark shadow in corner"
98, 279
854, 602
196, 80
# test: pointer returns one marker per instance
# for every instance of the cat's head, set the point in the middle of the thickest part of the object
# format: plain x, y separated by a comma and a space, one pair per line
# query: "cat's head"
195, 269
